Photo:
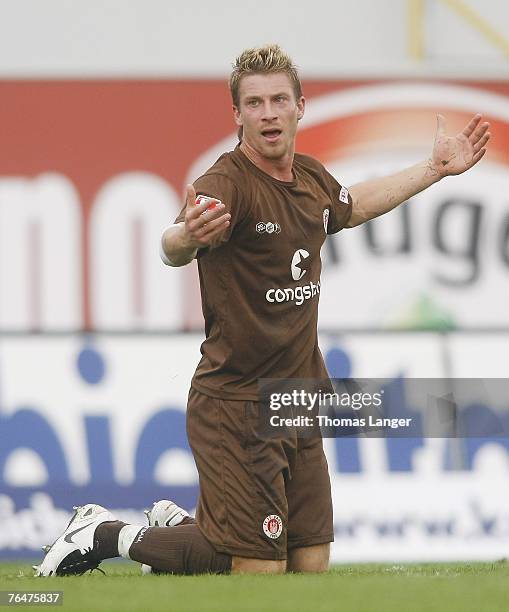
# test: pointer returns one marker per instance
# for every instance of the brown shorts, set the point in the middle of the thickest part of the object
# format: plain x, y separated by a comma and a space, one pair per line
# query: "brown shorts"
259, 497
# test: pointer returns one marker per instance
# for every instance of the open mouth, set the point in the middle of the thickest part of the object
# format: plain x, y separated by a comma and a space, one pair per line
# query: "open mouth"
272, 134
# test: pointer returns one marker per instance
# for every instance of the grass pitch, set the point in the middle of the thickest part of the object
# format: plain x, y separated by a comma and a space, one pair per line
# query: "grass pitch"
476, 587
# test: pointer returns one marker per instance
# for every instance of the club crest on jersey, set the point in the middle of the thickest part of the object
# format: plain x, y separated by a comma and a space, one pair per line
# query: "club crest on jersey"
325, 219
273, 526
343, 195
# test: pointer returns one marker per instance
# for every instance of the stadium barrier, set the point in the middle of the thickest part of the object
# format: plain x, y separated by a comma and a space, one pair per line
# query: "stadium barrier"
102, 418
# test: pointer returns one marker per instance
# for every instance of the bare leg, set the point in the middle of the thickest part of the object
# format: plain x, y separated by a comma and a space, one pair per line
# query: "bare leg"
243, 565
309, 558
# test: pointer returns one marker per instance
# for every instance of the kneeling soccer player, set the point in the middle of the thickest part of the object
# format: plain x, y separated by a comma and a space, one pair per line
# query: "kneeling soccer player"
264, 505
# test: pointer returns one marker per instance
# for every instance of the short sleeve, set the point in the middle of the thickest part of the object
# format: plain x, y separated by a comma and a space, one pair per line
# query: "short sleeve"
341, 205
220, 187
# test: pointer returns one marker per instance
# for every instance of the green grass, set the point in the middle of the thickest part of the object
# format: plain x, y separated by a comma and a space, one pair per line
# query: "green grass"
475, 587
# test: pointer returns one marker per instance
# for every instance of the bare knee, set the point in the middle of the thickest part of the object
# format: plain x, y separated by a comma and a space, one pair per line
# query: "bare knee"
309, 558
243, 565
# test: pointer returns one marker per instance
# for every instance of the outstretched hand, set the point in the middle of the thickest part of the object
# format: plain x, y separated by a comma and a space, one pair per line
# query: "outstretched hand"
203, 225
456, 154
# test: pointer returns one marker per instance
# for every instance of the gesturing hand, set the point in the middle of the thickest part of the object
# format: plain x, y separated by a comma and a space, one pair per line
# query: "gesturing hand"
202, 226
455, 154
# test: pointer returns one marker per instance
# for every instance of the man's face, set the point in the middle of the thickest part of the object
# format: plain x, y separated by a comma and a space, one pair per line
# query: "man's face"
268, 113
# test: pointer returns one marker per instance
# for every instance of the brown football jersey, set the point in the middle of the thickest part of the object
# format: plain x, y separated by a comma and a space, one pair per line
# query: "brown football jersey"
260, 282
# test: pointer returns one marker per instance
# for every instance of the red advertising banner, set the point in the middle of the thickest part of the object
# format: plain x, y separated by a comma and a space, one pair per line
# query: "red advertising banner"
92, 171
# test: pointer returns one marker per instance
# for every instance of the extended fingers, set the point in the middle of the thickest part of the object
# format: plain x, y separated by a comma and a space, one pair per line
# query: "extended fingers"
479, 132
207, 234
478, 156
210, 226
441, 126
481, 142
471, 125
194, 210
199, 212
190, 195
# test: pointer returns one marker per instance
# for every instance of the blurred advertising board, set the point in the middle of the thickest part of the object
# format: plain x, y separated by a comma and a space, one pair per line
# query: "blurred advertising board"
92, 171
102, 418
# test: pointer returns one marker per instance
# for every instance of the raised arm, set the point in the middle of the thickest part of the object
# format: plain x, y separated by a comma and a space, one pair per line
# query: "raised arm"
451, 155
180, 242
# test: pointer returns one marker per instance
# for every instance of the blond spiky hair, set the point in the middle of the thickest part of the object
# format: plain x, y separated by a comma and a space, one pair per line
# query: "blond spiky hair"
270, 58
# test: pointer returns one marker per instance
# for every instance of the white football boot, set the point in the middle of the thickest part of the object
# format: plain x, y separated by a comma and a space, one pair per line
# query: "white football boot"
72, 552
163, 513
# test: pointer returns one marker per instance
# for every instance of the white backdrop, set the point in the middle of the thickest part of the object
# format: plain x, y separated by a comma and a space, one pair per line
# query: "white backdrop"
201, 38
